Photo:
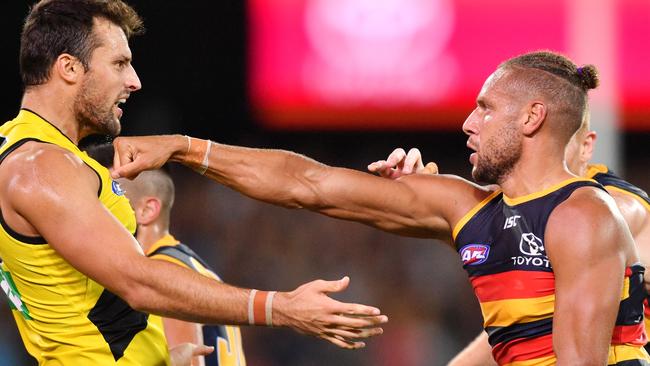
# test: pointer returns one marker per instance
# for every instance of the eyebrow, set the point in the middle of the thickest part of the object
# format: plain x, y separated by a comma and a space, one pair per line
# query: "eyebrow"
123, 58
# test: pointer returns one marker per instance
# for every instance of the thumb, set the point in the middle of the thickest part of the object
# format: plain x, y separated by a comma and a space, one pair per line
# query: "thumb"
201, 350
130, 170
430, 168
337, 286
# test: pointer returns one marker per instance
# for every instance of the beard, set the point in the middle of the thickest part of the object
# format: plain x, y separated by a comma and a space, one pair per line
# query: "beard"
94, 110
500, 155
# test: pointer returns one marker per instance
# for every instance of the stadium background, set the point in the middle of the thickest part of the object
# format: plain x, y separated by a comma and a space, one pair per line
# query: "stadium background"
219, 70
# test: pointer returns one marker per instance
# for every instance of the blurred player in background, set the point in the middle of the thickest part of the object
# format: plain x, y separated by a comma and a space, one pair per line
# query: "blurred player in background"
152, 196
633, 202
585, 309
79, 285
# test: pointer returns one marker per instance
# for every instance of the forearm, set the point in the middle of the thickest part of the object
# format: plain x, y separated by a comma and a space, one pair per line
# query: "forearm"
172, 291
276, 176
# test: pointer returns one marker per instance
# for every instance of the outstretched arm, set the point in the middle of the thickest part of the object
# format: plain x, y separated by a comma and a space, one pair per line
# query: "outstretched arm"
589, 247
422, 206
40, 182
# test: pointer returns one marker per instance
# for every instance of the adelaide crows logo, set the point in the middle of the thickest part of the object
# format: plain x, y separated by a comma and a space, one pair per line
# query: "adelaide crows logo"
531, 244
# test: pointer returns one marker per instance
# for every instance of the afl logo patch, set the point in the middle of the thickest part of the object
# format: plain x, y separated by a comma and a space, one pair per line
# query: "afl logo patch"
474, 254
117, 189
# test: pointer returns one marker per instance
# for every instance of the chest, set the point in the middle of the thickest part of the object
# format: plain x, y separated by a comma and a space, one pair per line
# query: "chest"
502, 238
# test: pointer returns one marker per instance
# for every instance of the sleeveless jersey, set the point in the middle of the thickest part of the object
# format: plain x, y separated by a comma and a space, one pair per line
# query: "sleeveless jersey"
64, 317
612, 182
501, 244
226, 340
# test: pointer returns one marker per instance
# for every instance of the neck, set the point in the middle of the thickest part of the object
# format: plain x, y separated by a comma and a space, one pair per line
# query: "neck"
149, 234
538, 168
52, 104
583, 169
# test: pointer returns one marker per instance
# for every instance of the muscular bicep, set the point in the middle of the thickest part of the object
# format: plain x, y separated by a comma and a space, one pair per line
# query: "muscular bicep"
424, 206
588, 246
418, 205
57, 195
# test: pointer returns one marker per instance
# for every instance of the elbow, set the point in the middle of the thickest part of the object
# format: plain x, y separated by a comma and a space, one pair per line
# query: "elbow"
136, 298
132, 288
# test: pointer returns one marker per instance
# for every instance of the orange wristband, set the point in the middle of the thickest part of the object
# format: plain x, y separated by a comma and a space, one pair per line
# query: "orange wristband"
260, 308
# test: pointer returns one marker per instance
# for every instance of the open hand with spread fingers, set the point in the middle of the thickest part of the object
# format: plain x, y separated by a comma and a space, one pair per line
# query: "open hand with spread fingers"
309, 310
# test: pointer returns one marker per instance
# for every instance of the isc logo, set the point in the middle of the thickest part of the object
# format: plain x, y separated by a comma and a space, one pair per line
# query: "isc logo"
474, 254
511, 222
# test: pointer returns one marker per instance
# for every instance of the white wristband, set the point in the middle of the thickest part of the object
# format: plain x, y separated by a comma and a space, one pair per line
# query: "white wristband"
269, 309
206, 159
251, 309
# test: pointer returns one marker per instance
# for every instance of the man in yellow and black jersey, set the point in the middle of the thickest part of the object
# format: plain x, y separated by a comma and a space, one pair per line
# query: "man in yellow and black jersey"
632, 201
78, 281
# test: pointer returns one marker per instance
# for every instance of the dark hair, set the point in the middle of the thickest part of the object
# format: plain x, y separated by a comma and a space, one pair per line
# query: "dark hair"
558, 79
100, 148
54, 27
583, 77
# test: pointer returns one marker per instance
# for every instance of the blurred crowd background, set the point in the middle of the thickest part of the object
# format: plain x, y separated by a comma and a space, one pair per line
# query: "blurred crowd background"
344, 82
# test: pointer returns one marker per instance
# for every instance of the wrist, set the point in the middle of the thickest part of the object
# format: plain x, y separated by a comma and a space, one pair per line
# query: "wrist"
180, 146
260, 308
279, 309
192, 152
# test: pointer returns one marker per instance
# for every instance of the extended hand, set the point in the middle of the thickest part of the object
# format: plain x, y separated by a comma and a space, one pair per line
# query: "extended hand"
399, 163
309, 310
136, 154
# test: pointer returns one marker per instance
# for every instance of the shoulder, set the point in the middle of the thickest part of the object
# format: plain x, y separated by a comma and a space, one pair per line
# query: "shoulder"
41, 167
635, 213
587, 223
585, 206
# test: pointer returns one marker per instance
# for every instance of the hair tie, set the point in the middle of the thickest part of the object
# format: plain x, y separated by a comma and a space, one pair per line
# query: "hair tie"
579, 71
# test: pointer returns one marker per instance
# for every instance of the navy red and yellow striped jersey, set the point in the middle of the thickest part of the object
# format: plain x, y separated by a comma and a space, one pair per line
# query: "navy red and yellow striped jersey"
501, 244
225, 339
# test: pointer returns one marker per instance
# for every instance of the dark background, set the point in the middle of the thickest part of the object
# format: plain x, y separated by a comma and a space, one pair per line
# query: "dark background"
192, 64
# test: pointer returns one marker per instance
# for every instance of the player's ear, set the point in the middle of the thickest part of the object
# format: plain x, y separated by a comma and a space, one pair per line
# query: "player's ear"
149, 211
68, 68
536, 114
588, 145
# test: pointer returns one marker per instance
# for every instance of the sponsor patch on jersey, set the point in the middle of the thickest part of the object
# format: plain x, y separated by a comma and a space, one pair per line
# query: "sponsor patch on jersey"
474, 254
117, 189
530, 244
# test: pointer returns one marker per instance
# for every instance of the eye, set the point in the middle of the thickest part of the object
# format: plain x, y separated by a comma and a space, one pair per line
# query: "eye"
121, 64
